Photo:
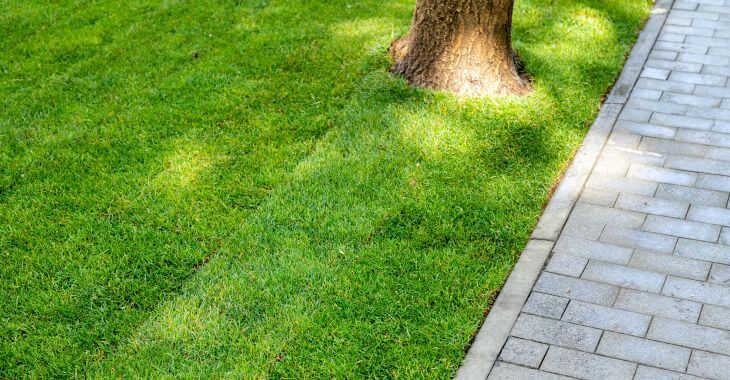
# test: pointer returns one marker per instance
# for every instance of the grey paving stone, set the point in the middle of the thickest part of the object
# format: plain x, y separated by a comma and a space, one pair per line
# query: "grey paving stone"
718, 92
679, 121
709, 41
713, 8
607, 318
692, 31
685, 4
656, 106
715, 70
624, 140
681, 228
718, 51
598, 197
638, 239
645, 129
720, 274
651, 373
584, 229
689, 67
721, 126
671, 264
607, 166
644, 351
663, 54
576, 288
624, 156
663, 175
705, 79
715, 113
697, 291
700, 250
680, 48
722, 30
585, 365
675, 20
654, 84
622, 184
709, 365
568, 265
619, 139
623, 276
650, 72
662, 306
644, 93
715, 316
696, 164
523, 352
707, 214
554, 332
704, 59
712, 2
636, 115
588, 213
671, 37
719, 25
693, 195
664, 146
690, 335
592, 249
651, 205
508, 371
695, 14
545, 305
713, 182
703, 137
718, 153
700, 165
691, 100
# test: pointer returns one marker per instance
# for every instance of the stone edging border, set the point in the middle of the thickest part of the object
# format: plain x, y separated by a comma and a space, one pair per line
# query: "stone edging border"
496, 328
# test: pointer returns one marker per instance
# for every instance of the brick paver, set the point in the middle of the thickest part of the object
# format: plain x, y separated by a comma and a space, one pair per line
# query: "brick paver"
638, 284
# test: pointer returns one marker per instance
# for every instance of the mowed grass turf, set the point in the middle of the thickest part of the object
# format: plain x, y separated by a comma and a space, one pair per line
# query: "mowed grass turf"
240, 189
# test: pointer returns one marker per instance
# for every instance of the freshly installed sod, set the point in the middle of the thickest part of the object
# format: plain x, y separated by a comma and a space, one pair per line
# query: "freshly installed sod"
239, 188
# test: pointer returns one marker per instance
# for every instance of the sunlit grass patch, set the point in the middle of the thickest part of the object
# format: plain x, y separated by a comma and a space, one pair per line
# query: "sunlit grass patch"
185, 167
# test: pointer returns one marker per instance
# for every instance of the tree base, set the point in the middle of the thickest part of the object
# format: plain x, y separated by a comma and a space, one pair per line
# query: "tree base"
461, 71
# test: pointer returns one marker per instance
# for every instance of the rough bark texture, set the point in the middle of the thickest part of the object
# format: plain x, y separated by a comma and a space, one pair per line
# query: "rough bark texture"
460, 45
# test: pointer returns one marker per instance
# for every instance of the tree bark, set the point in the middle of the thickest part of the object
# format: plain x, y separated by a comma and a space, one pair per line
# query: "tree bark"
460, 45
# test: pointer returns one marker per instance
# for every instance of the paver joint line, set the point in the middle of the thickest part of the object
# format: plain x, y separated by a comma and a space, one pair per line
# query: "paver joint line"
627, 274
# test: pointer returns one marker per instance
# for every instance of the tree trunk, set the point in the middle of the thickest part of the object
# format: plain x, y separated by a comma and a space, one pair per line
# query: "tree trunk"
460, 45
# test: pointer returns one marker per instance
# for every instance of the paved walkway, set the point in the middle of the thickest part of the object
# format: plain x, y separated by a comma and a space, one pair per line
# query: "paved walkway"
638, 284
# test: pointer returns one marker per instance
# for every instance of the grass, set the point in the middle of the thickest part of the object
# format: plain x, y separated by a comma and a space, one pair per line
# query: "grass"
240, 189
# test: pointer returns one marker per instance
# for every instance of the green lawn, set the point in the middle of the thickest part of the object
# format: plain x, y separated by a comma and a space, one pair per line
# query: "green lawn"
239, 188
